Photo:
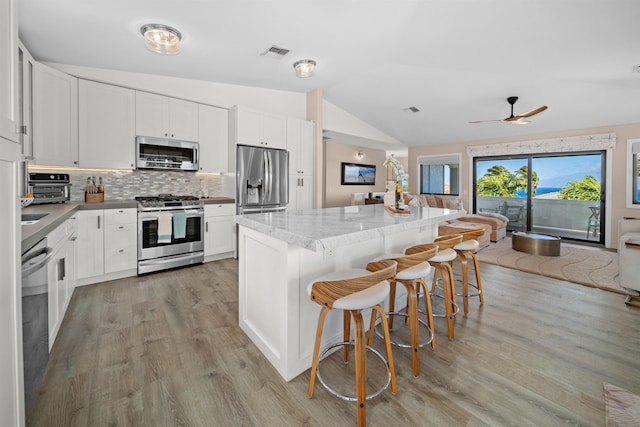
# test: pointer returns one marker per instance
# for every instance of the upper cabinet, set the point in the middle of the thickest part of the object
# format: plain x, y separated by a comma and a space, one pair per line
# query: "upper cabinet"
107, 124
25, 100
213, 138
253, 127
8, 70
55, 117
166, 117
300, 145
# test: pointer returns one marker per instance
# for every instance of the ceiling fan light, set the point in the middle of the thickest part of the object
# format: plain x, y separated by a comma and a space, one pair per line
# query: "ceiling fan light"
520, 121
304, 67
161, 39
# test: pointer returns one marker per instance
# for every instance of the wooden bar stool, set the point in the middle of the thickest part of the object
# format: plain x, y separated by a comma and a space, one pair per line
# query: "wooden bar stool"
465, 250
353, 291
442, 263
413, 266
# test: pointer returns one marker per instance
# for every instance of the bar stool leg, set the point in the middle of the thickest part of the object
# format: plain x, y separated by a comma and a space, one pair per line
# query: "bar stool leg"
427, 307
392, 301
476, 267
360, 366
387, 341
444, 269
346, 328
464, 267
316, 350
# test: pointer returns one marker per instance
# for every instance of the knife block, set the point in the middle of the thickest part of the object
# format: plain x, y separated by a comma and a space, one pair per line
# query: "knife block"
94, 197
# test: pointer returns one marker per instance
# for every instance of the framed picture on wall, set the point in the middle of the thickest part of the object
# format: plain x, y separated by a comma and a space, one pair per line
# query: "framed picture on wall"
357, 174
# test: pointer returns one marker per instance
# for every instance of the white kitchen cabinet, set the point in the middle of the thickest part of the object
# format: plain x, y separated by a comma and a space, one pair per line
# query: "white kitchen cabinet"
8, 70
213, 138
26, 63
166, 117
219, 229
106, 126
61, 274
300, 144
252, 127
300, 192
120, 240
107, 242
90, 243
11, 378
55, 117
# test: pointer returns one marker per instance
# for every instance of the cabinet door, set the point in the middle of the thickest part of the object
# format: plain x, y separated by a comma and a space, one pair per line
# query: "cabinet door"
300, 146
120, 247
106, 125
152, 115
274, 131
55, 115
294, 181
220, 236
25, 100
8, 69
90, 243
183, 120
305, 192
248, 126
213, 138
53, 272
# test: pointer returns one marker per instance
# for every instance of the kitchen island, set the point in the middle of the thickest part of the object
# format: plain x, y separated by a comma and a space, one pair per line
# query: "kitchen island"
281, 253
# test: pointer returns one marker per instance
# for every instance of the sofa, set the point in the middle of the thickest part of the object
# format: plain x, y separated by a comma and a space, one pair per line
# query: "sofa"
497, 222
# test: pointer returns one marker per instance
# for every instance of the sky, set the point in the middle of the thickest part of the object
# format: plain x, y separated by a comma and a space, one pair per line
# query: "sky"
552, 171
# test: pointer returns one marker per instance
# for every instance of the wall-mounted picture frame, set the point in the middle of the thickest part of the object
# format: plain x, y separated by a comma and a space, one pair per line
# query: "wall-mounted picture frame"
357, 174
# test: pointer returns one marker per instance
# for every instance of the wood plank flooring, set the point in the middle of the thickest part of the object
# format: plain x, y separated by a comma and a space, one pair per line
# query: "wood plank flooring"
166, 350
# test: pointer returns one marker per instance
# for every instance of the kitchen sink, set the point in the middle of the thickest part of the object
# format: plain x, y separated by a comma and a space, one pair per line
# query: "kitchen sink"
29, 219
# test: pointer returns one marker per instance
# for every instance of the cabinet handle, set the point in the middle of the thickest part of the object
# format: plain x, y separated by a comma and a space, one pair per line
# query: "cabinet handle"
121, 227
302, 180
75, 162
121, 211
166, 134
98, 223
171, 135
206, 226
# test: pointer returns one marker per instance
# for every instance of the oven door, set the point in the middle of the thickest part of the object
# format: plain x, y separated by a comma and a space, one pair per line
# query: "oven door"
148, 246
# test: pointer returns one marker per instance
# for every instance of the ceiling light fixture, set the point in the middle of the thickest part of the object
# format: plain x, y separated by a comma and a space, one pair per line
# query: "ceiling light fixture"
304, 67
161, 39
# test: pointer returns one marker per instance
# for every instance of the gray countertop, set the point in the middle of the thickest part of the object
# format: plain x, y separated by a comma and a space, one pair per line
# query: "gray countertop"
322, 229
59, 212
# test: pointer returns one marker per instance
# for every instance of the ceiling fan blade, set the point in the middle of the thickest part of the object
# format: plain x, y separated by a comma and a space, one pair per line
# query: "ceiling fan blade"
530, 113
485, 121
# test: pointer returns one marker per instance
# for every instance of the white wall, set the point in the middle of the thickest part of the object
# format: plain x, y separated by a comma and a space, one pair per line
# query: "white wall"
337, 119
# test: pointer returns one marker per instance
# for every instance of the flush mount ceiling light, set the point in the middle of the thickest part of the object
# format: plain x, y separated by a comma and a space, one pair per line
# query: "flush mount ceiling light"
304, 67
161, 39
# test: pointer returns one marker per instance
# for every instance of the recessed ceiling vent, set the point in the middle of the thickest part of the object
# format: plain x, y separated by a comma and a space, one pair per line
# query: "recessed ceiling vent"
411, 110
275, 52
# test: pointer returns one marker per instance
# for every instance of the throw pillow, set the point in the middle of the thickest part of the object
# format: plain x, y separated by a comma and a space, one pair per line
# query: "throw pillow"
494, 215
453, 204
430, 200
414, 202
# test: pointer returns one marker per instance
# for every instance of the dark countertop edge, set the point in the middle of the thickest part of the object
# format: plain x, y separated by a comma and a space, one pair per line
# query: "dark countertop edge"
218, 200
58, 214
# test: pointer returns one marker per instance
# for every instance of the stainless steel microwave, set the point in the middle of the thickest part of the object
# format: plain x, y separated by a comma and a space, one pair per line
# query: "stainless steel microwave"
166, 154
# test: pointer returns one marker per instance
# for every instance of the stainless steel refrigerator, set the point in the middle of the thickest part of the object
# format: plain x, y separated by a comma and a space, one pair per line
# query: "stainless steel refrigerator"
262, 179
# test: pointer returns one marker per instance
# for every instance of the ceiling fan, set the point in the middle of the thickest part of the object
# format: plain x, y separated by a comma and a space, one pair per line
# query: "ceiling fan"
520, 119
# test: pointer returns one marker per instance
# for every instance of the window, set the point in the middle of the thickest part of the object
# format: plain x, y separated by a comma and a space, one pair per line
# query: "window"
439, 174
633, 172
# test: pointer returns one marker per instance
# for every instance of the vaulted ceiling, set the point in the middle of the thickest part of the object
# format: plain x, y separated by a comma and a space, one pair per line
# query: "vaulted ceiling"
454, 60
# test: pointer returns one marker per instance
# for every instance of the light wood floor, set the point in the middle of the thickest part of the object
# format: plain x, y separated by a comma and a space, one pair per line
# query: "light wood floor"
166, 350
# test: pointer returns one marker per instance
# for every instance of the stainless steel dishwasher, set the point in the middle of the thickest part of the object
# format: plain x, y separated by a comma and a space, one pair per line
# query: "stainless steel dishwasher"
35, 317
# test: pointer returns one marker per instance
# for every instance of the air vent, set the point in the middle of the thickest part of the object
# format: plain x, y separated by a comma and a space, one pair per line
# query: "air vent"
411, 110
275, 51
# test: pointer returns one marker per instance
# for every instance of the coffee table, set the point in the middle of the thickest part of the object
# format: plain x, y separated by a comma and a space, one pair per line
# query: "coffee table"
535, 244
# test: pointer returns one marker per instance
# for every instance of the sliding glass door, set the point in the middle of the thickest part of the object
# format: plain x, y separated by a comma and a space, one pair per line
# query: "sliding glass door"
562, 195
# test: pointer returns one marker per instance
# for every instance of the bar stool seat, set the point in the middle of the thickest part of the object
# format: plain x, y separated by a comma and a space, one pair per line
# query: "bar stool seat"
354, 290
413, 266
465, 250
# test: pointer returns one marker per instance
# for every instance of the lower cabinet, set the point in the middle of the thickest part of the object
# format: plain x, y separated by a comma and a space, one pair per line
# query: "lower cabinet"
107, 243
219, 230
61, 273
300, 191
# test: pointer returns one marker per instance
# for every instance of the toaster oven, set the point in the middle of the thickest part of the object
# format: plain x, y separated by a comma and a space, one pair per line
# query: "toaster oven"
49, 187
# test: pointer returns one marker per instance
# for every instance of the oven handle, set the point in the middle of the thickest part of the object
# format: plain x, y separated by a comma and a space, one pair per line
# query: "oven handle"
154, 214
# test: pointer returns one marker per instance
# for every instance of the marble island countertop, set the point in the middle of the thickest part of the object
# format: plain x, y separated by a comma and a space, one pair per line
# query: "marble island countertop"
326, 229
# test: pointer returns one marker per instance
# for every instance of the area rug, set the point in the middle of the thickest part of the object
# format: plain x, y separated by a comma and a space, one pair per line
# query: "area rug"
593, 267
623, 407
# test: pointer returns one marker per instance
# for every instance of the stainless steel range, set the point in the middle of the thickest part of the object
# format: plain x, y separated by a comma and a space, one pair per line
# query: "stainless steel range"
170, 232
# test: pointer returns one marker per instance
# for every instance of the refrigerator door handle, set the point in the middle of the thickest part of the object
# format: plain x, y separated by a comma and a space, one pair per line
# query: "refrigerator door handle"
267, 181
